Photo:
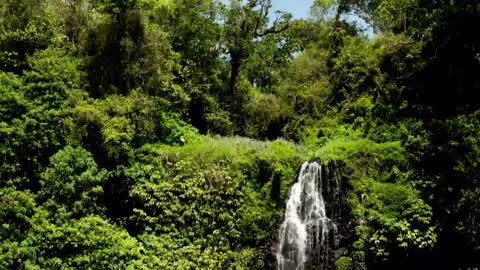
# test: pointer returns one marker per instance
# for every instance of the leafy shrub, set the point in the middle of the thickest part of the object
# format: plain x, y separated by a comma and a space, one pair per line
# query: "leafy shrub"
72, 184
211, 204
109, 128
90, 242
390, 215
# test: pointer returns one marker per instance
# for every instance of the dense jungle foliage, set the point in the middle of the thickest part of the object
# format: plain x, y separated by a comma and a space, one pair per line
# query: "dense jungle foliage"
165, 134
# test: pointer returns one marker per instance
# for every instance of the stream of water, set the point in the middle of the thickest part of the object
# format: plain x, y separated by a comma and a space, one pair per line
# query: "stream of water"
307, 237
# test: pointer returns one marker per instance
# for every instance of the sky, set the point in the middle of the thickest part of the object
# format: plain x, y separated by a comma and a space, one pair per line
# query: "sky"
298, 8
301, 9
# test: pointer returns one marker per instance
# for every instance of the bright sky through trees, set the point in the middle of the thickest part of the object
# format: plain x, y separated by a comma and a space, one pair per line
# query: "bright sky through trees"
298, 8
301, 9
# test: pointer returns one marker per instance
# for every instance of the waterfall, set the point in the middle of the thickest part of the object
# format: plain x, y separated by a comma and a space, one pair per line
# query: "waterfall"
307, 237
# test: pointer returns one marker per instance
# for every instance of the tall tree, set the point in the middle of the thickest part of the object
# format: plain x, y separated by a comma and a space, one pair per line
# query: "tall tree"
125, 52
244, 24
24, 28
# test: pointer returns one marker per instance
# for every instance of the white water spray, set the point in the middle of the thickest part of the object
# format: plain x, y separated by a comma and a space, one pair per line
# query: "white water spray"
307, 235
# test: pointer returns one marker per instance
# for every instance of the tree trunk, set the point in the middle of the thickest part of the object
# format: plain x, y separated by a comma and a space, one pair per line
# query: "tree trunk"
236, 64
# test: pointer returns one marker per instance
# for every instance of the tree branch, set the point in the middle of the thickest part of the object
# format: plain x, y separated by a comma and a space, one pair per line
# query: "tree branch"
274, 29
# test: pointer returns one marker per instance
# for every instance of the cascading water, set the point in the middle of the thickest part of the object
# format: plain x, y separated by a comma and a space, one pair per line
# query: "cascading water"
307, 236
